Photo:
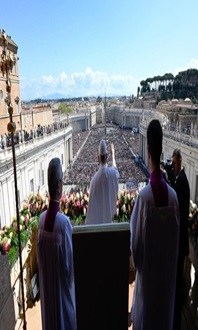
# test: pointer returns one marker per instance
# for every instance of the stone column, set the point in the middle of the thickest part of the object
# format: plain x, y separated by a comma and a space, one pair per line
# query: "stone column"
66, 155
70, 149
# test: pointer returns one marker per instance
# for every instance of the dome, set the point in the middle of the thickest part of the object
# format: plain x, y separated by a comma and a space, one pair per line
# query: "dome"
175, 101
187, 99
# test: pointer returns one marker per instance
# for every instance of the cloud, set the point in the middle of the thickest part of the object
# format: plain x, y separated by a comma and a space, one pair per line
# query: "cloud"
192, 64
84, 83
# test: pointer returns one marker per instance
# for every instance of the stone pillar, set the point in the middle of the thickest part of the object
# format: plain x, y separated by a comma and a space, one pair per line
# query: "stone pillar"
66, 154
140, 144
195, 130
191, 129
70, 149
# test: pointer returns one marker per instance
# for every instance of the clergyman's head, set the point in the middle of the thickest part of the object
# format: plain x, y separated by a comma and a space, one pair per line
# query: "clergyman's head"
55, 178
154, 140
177, 161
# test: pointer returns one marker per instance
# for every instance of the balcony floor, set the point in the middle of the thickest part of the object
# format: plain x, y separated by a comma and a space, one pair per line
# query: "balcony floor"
33, 315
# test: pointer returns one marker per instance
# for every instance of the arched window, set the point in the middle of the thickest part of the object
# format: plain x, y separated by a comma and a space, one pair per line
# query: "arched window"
17, 104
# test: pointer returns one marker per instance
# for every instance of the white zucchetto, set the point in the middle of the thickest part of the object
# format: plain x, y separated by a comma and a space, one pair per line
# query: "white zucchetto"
102, 148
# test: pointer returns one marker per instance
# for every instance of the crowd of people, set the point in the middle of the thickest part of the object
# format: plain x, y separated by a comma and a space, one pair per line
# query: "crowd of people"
23, 135
86, 163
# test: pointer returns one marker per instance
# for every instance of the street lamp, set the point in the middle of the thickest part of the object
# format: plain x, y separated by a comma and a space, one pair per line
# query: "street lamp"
7, 62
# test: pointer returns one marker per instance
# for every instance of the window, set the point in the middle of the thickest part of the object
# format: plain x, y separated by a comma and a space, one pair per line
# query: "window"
62, 159
32, 185
17, 108
41, 174
17, 104
1, 94
43, 177
25, 121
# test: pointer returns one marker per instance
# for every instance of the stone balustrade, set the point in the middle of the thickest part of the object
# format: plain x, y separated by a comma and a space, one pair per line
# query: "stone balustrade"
23, 147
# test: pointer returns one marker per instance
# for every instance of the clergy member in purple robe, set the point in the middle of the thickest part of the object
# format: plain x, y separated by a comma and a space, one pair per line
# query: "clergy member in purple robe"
55, 259
103, 189
154, 228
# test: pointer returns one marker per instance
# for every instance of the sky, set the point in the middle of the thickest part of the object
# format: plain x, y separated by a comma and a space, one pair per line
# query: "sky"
76, 48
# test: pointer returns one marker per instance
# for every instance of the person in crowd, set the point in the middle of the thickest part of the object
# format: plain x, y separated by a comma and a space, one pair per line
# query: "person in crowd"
181, 186
55, 259
154, 227
103, 189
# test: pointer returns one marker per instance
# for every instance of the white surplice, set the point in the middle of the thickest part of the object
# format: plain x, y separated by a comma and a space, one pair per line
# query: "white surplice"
154, 246
103, 195
56, 274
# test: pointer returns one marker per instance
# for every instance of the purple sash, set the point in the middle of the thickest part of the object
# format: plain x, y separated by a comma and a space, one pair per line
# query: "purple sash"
159, 188
54, 208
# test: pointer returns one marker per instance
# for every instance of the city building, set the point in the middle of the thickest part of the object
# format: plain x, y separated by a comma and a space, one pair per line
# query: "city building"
12, 50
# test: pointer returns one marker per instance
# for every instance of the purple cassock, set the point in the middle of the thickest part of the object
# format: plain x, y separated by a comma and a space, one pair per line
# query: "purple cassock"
154, 226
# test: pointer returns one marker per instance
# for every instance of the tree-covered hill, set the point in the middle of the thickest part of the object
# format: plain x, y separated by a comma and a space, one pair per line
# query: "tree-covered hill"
184, 84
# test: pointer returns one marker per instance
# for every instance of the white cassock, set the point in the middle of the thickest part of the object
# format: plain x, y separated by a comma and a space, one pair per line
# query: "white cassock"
56, 274
103, 195
154, 246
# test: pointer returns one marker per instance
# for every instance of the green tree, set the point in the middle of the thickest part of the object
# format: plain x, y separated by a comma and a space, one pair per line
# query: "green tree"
184, 84
144, 84
138, 91
99, 99
64, 108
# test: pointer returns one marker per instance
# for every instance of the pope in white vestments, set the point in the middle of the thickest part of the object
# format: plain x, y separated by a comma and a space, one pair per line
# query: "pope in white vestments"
103, 189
